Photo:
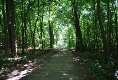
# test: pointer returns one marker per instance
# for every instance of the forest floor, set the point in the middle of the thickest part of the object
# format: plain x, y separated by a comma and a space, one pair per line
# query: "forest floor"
20, 66
59, 64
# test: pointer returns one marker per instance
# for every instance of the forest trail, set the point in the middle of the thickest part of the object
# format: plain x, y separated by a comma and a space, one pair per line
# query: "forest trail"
63, 65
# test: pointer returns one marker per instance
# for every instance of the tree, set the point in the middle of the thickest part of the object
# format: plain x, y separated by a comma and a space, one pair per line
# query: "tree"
40, 24
10, 11
104, 41
50, 30
5, 28
79, 41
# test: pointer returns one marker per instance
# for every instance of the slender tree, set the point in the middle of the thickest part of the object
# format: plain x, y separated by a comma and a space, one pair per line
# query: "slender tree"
116, 28
22, 16
13, 27
50, 30
5, 28
104, 41
79, 41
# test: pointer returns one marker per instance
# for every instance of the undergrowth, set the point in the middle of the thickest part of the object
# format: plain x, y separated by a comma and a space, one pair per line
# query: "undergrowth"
98, 67
7, 62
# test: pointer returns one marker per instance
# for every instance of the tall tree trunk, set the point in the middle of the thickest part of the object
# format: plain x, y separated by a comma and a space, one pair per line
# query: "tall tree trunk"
22, 16
116, 28
41, 27
13, 27
79, 41
104, 41
5, 28
96, 31
109, 24
10, 10
50, 31
41, 31
34, 45
8, 20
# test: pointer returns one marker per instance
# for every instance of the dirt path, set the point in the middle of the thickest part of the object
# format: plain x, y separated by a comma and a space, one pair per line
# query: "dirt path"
61, 66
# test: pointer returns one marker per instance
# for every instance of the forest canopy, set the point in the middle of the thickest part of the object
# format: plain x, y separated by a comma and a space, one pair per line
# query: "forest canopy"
39, 24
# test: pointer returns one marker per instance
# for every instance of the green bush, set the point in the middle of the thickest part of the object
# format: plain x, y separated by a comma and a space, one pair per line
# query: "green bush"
98, 68
6, 62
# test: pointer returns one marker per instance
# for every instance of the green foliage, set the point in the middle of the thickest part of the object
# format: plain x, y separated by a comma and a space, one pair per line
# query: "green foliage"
62, 21
6, 62
98, 69
61, 16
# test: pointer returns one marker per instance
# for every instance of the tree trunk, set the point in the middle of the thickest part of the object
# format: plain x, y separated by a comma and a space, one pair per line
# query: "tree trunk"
96, 31
104, 41
10, 10
51, 35
50, 31
116, 29
8, 19
34, 45
5, 28
109, 24
41, 31
13, 27
79, 41
22, 16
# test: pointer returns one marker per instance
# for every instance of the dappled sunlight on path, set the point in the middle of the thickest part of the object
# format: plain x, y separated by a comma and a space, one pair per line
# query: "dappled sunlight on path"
61, 66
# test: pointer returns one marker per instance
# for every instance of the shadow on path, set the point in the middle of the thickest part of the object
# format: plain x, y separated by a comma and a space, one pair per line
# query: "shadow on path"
61, 66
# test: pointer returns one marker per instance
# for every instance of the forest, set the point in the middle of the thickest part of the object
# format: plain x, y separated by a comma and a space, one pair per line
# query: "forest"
90, 27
